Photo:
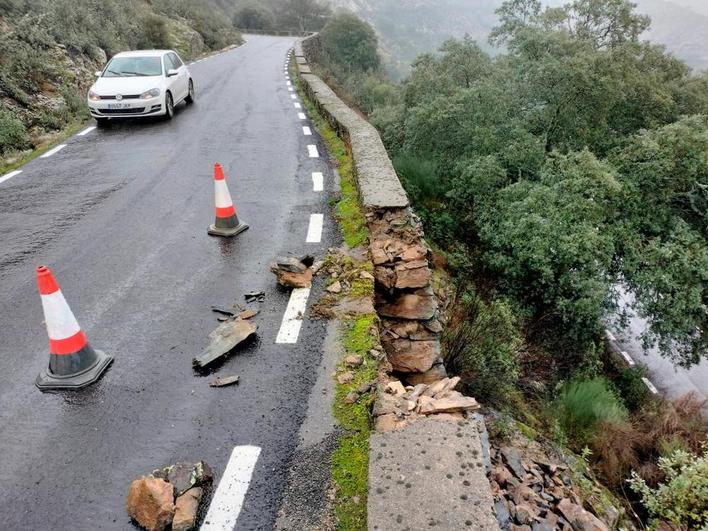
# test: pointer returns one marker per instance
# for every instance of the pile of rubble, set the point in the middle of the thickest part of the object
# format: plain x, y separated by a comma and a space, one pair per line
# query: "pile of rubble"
169, 498
405, 301
533, 494
398, 405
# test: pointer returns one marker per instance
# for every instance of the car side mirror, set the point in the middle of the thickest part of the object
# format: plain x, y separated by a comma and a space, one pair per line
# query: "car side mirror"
97, 73
172, 72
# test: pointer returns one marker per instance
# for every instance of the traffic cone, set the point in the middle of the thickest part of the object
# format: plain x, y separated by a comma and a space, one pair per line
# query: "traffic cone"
226, 223
72, 361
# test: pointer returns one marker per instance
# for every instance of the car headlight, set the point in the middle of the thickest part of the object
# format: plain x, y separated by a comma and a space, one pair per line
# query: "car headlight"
93, 96
152, 93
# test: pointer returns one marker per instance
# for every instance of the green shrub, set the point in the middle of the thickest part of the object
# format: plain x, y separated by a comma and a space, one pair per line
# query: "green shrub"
350, 44
481, 347
155, 32
13, 134
683, 498
253, 16
582, 406
419, 177
631, 387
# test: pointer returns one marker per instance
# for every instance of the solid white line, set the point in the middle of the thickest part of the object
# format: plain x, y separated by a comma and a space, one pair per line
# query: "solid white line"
653, 390
314, 231
306, 131
9, 176
317, 181
297, 105
302, 116
312, 151
53, 151
293, 316
86, 131
228, 499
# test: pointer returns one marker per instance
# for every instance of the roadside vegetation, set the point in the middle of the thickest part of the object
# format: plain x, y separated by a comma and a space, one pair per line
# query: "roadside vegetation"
49, 50
549, 176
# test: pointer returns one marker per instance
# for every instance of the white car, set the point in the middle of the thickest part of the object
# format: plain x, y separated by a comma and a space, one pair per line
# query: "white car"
140, 83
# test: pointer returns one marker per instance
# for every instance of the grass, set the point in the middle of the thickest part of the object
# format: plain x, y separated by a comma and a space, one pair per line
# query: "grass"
53, 140
348, 208
350, 460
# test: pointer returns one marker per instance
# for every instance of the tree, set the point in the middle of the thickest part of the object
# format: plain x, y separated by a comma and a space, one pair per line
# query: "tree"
253, 16
309, 15
514, 15
350, 43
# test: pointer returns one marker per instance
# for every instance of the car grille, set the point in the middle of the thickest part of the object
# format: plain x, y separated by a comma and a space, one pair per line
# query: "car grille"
125, 97
134, 110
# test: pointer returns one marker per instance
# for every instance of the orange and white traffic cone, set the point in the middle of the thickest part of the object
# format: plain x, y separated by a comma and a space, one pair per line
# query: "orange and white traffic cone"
72, 362
227, 222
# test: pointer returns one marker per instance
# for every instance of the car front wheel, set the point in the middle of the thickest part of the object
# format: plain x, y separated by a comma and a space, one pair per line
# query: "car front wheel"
169, 107
190, 95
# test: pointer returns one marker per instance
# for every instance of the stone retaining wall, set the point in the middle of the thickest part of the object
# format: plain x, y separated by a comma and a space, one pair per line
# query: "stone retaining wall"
405, 301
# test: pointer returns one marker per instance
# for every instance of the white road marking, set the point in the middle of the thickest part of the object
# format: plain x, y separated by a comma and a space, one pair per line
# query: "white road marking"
297, 105
302, 116
653, 390
288, 83
293, 96
290, 89
306, 131
317, 181
86, 131
627, 358
9, 176
312, 151
293, 316
610, 336
314, 231
228, 499
53, 151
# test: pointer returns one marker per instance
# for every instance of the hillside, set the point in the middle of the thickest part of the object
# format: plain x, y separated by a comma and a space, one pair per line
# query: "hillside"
49, 50
410, 27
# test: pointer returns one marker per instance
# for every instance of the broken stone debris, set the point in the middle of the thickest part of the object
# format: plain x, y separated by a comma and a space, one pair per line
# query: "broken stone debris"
398, 405
533, 493
335, 287
169, 498
293, 272
223, 311
225, 381
254, 296
224, 339
247, 314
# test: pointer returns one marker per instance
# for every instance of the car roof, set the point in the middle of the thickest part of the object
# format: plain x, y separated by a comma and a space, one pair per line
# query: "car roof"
143, 53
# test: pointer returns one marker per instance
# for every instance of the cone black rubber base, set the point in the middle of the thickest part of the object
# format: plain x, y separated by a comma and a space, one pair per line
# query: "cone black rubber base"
216, 231
47, 380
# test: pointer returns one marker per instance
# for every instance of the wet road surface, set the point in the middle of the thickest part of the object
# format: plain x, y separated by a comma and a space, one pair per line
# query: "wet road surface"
120, 215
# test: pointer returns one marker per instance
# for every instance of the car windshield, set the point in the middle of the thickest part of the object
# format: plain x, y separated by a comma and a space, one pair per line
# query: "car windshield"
133, 66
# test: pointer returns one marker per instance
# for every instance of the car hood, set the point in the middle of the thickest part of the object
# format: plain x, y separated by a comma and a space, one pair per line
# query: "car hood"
110, 86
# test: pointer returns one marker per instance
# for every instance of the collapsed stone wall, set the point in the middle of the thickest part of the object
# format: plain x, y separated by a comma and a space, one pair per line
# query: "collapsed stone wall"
405, 301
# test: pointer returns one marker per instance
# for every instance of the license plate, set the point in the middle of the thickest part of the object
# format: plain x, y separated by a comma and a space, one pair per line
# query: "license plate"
119, 105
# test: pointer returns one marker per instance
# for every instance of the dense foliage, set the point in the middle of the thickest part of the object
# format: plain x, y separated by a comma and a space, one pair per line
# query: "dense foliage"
283, 15
49, 49
571, 165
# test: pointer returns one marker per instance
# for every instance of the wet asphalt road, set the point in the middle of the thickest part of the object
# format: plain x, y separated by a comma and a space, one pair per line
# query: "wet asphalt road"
120, 216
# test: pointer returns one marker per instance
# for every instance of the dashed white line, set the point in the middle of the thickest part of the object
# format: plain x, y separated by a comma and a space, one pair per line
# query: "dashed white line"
53, 151
653, 390
297, 105
86, 131
312, 151
610, 336
314, 231
290, 89
9, 176
627, 358
306, 131
228, 499
293, 96
293, 316
302, 116
317, 181
288, 83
